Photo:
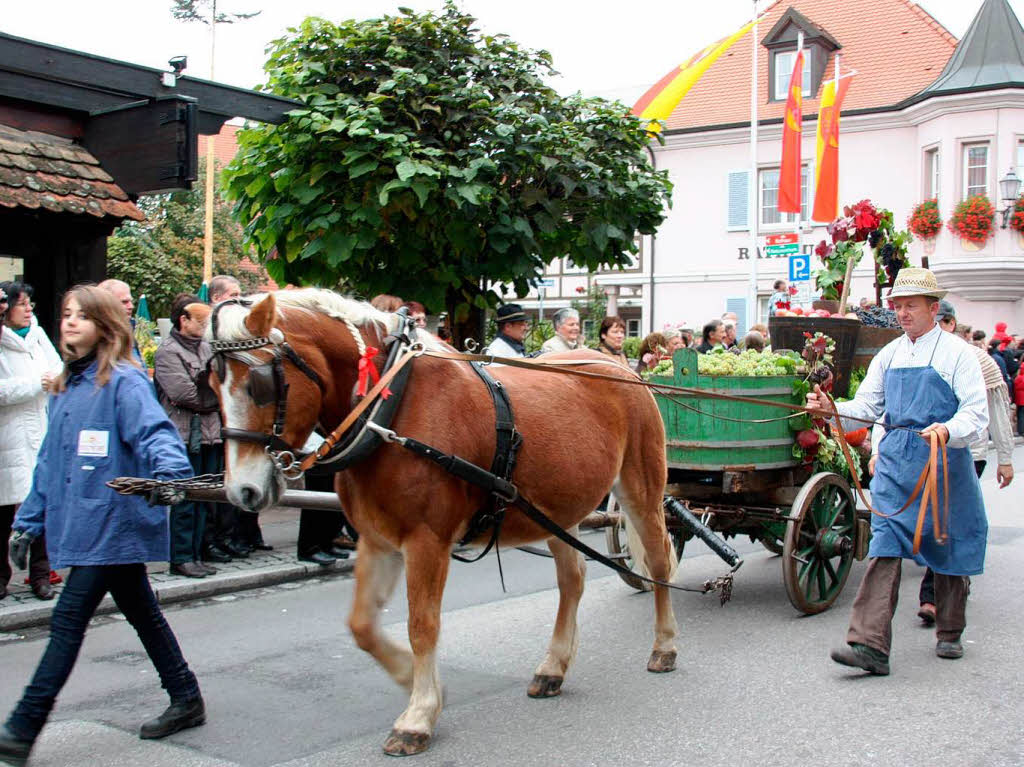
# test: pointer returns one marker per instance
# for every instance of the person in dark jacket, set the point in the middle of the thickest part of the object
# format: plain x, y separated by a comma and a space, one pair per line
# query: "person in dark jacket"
104, 422
995, 354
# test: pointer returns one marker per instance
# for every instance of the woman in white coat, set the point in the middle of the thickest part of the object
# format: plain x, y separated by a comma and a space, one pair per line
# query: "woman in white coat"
28, 363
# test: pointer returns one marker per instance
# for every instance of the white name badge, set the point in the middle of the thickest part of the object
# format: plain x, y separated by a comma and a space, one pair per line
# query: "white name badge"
93, 443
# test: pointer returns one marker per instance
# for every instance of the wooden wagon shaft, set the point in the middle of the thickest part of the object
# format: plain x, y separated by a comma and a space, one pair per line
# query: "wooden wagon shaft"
310, 499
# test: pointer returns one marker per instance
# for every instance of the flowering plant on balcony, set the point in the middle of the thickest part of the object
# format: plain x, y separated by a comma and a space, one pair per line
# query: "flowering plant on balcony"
925, 221
1017, 218
973, 219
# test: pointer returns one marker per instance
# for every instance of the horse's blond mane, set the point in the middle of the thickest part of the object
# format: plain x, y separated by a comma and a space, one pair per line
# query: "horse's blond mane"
355, 313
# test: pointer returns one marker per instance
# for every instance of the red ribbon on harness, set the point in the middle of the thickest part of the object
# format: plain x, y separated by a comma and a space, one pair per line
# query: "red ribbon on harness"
368, 370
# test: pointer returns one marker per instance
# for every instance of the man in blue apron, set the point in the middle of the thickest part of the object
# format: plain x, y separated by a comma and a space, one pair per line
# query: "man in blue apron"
925, 381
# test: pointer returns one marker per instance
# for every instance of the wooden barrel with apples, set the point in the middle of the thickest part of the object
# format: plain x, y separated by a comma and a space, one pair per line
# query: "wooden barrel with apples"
870, 342
788, 333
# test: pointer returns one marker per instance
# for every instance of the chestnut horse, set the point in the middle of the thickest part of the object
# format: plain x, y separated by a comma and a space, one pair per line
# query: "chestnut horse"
581, 439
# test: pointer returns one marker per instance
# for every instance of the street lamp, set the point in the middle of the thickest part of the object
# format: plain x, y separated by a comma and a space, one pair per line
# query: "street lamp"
1009, 189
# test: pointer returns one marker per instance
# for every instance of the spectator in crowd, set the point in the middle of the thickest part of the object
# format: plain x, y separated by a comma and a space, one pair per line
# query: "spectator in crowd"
730, 334
104, 417
978, 339
995, 354
417, 313
673, 340
567, 332
998, 428
965, 332
713, 335
513, 326
780, 298
1018, 399
652, 349
865, 303
181, 373
123, 293
1011, 356
28, 367
611, 336
224, 287
754, 340
687, 336
1001, 336
385, 303
763, 330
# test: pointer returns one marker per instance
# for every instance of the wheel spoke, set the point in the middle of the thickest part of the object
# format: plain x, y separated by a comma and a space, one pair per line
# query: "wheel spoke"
831, 572
822, 588
808, 584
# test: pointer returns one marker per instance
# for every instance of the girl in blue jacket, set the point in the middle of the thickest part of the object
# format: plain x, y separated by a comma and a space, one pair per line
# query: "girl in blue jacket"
104, 422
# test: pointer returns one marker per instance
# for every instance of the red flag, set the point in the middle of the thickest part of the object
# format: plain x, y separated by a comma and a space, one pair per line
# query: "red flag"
792, 128
826, 185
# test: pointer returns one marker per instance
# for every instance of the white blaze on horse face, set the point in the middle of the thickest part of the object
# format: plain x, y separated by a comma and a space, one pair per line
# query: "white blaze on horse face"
249, 476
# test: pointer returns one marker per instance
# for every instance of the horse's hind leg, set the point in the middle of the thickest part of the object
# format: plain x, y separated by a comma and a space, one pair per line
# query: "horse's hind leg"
570, 568
426, 564
643, 506
377, 572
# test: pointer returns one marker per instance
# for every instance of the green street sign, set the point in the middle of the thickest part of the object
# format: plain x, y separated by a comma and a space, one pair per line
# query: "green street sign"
782, 250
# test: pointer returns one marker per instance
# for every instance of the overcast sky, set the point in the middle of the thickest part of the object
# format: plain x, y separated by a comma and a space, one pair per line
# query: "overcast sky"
613, 49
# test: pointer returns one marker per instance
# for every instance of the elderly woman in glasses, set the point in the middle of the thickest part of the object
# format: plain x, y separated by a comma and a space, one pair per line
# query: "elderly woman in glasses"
28, 366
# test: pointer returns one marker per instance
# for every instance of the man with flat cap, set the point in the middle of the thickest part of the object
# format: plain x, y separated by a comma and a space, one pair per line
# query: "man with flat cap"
512, 328
926, 381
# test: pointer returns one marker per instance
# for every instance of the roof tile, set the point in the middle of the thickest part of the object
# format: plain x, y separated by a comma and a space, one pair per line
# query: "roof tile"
894, 59
39, 170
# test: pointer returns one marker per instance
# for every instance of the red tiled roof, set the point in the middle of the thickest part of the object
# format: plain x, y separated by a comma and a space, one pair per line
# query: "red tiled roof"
896, 47
38, 170
225, 145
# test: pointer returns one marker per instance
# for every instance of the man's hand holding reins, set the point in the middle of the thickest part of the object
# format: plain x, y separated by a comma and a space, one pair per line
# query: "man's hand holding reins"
937, 428
818, 403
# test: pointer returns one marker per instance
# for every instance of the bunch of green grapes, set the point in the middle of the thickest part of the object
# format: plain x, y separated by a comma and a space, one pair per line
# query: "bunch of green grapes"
748, 363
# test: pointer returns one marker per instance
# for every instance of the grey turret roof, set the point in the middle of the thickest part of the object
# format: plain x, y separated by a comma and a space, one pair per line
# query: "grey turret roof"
990, 55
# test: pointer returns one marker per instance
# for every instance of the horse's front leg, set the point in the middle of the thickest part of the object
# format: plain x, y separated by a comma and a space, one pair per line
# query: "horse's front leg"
426, 570
570, 568
377, 570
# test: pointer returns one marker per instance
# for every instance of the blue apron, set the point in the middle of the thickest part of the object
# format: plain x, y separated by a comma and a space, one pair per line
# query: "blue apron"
917, 397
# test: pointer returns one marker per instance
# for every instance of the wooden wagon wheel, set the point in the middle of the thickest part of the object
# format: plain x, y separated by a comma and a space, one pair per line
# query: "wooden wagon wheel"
818, 550
617, 542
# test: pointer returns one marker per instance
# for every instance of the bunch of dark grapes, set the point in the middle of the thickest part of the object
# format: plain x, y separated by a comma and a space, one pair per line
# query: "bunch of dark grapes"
822, 375
891, 260
874, 238
877, 317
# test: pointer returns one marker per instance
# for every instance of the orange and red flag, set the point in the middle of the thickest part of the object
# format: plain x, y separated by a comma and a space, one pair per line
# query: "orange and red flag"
826, 183
792, 128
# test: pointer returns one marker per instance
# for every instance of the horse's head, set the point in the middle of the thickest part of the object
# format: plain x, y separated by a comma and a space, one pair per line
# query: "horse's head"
271, 382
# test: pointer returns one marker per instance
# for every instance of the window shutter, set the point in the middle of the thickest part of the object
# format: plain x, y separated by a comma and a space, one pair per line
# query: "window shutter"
739, 306
738, 203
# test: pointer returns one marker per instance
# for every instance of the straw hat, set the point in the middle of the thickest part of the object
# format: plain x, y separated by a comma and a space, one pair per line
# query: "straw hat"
915, 282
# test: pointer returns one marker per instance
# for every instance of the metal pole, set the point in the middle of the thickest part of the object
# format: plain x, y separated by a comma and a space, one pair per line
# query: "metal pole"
799, 191
210, 140
752, 317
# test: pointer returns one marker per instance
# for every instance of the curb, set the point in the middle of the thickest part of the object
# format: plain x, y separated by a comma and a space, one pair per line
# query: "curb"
186, 590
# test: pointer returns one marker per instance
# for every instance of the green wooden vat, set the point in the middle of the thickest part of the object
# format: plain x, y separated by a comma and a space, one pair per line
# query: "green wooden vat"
697, 440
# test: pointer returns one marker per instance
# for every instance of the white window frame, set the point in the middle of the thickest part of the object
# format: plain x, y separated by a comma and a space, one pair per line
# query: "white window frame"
633, 328
932, 172
965, 190
784, 69
1020, 157
570, 268
786, 220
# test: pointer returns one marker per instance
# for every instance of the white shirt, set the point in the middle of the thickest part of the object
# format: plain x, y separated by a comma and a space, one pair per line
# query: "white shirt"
558, 343
499, 348
953, 360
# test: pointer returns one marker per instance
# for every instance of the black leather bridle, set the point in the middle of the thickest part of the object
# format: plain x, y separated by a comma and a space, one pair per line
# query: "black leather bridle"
266, 385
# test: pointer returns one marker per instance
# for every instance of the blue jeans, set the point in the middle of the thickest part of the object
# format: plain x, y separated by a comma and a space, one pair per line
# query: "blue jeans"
83, 591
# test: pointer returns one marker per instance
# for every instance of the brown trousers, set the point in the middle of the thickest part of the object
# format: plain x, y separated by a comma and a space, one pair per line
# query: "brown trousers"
38, 562
875, 603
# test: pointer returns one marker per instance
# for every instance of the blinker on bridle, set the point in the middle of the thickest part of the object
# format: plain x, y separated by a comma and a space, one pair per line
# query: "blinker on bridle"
266, 385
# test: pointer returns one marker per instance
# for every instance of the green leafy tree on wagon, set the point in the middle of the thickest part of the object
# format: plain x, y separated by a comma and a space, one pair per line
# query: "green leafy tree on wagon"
432, 162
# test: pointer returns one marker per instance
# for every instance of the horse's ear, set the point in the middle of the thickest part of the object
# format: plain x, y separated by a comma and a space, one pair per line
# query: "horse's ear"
260, 319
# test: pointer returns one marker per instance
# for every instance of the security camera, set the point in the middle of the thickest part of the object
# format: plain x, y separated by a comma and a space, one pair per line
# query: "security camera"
178, 64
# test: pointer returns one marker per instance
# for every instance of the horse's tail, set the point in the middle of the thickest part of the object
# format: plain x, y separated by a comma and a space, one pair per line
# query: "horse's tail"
636, 548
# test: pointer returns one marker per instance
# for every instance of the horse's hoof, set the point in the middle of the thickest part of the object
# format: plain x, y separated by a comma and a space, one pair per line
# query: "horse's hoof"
662, 662
544, 686
402, 743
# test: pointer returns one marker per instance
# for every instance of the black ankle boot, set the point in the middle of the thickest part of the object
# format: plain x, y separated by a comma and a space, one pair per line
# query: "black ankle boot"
13, 750
180, 715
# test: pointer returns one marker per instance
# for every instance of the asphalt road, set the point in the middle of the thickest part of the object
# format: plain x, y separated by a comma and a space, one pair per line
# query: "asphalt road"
285, 684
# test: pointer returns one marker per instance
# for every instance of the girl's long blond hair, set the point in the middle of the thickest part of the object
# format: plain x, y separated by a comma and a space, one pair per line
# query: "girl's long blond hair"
115, 334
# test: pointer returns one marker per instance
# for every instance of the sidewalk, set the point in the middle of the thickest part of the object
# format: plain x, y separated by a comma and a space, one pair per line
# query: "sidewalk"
20, 609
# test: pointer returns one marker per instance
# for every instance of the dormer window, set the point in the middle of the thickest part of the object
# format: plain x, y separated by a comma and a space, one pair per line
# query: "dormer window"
783, 70
781, 43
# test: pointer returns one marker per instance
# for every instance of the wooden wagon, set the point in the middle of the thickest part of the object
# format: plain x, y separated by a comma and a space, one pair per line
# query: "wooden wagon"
742, 478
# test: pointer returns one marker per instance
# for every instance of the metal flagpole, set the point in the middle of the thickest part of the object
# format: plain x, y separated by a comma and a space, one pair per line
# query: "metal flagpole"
752, 316
799, 189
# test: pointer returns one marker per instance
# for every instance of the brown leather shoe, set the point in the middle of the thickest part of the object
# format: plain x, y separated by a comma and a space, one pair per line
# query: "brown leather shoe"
927, 614
189, 570
344, 542
42, 589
